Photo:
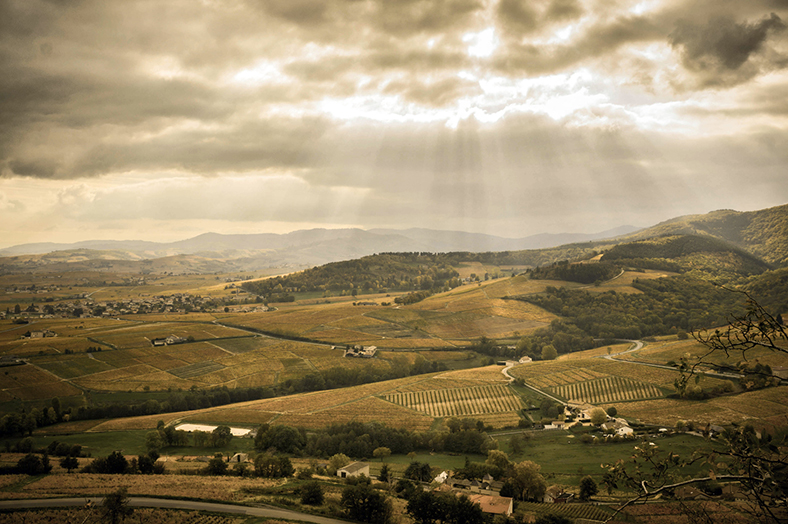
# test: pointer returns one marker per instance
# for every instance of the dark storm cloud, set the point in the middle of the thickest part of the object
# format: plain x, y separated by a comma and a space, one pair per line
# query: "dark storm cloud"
521, 17
723, 46
250, 145
406, 17
518, 16
564, 10
306, 12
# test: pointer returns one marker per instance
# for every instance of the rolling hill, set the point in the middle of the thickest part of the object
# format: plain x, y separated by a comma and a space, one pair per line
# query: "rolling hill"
764, 233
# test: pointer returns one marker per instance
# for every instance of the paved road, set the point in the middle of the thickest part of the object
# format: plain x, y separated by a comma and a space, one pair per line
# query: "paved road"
148, 502
637, 344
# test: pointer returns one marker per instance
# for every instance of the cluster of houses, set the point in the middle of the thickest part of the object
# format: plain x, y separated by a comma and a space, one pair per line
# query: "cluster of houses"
360, 351
169, 341
485, 492
33, 289
85, 307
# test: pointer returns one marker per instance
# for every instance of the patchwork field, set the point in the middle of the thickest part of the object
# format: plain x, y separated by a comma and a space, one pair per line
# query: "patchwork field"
641, 392
456, 317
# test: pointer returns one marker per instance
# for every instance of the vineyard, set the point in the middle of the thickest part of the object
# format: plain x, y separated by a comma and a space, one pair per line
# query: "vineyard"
459, 402
606, 390
572, 511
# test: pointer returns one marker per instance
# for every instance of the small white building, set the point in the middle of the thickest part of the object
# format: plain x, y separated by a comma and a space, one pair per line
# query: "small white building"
354, 469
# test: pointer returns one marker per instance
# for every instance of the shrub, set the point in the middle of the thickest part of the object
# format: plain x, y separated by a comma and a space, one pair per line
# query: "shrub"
312, 494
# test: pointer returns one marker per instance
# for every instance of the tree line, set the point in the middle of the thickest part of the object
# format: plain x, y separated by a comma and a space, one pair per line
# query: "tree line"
360, 440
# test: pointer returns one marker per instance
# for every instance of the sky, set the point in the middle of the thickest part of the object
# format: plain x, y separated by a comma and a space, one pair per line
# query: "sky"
163, 119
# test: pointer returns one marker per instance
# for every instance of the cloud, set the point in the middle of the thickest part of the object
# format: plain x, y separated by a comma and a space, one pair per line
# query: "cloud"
719, 51
521, 17
597, 40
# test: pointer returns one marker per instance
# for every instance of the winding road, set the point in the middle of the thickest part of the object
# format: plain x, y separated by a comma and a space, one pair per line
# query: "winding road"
191, 505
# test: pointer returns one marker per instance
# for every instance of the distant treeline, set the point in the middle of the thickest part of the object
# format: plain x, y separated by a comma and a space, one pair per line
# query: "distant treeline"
371, 274
386, 272
584, 273
360, 440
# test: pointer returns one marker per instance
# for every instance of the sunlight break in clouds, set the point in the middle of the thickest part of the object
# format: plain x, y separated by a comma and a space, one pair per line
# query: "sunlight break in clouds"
511, 117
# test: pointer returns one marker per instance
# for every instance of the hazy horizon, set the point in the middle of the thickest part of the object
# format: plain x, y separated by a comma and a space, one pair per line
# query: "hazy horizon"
161, 121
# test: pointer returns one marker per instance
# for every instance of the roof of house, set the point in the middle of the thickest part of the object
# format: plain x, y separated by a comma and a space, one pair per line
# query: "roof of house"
554, 491
492, 504
353, 467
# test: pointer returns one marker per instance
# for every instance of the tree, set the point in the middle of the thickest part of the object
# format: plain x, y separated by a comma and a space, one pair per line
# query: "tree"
221, 436
588, 487
269, 466
116, 463
499, 460
612, 411
381, 453
153, 441
31, 464
337, 461
69, 463
527, 481
281, 438
385, 473
312, 494
116, 506
549, 352
598, 416
365, 504
217, 465
418, 471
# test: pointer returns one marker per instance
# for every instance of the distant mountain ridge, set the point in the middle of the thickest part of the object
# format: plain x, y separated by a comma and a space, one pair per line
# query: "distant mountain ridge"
355, 242
761, 235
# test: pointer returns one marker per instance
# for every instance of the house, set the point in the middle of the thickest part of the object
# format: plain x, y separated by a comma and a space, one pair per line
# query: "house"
556, 495
625, 431
494, 505
735, 492
361, 351
441, 478
689, 493
354, 469
42, 334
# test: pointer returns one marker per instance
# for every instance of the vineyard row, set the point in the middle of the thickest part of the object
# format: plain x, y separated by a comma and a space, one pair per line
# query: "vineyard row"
606, 390
459, 402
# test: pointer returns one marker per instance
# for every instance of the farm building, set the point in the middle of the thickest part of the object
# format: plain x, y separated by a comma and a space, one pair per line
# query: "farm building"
494, 505
556, 495
42, 334
240, 457
361, 351
354, 469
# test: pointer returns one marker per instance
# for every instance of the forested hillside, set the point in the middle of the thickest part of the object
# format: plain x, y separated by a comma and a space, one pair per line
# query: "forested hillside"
763, 233
682, 253
372, 274
665, 306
